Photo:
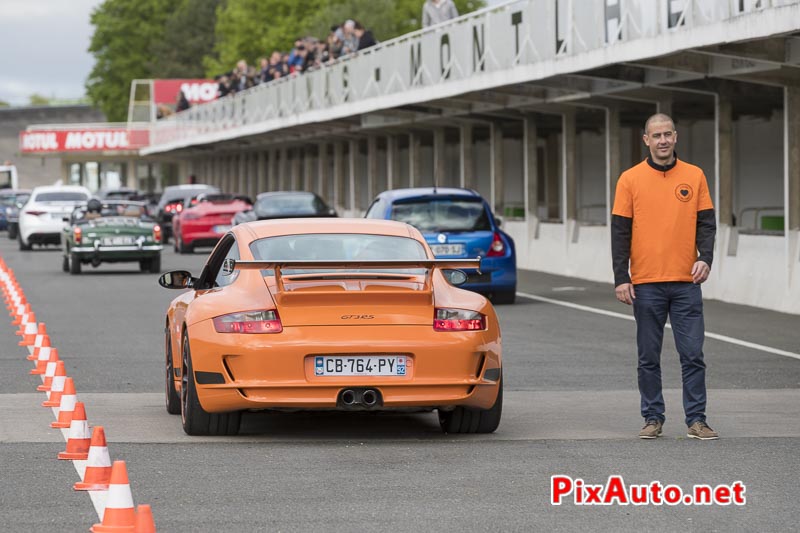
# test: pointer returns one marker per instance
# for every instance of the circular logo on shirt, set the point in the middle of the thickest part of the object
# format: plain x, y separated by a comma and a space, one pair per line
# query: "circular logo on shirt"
683, 192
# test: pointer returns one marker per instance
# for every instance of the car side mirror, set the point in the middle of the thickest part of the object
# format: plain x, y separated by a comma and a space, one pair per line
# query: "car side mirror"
65, 219
177, 279
498, 221
455, 277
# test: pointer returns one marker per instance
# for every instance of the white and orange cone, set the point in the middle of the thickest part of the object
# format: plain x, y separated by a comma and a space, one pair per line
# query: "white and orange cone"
37, 352
66, 407
27, 331
49, 371
39, 341
20, 315
45, 357
119, 514
79, 440
57, 387
144, 520
98, 464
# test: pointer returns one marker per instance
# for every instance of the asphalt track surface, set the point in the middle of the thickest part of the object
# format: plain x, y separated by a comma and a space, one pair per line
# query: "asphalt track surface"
571, 408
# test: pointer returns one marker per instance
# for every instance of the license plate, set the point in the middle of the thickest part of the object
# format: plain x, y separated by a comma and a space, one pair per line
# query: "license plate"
365, 365
117, 241
447, 249
222, 229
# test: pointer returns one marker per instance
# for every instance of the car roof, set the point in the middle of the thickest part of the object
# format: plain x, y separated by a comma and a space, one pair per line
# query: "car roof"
189, 186
414, 192
284, 193
60, 188
298, 226
8, 192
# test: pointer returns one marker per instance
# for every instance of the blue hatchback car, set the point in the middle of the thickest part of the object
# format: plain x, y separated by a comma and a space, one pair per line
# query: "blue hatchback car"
457, 224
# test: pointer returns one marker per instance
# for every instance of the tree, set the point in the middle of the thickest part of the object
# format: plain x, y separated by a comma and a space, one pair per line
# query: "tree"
3, 103
188, 38
38, 99
125, 36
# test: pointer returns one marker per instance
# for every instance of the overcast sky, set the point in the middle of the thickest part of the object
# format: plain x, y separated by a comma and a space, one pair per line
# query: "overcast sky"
44, 48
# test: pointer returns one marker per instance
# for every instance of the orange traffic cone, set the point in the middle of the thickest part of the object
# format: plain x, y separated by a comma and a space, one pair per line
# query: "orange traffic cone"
41, 363
98, 465
49, 372
37, 352
27, 319
38, 341
29, 334
57, 387
79, 439
66, 407
144, 520
119, 514
26, 311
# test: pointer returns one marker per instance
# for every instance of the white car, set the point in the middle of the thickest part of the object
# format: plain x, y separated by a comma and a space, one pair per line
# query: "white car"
41, 219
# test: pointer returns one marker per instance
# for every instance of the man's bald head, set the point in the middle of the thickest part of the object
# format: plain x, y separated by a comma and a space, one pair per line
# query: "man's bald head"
658, 117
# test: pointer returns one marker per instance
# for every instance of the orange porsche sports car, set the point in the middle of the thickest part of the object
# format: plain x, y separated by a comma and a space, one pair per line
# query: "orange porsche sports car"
330, 314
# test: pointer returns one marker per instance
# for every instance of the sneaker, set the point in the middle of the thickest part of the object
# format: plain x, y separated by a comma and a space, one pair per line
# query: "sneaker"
700, 430
651, 429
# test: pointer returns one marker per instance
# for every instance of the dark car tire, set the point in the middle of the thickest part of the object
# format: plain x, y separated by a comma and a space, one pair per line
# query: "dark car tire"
22, 246
173, 400
196, 421
184, 248
65, 263
155, 265
471, 420
74, 264
504, 297
12, 231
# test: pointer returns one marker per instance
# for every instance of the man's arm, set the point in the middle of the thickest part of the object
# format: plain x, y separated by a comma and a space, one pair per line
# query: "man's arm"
704, 237
621, 231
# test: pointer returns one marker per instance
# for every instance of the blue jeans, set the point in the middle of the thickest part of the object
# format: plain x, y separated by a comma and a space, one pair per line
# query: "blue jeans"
683, 303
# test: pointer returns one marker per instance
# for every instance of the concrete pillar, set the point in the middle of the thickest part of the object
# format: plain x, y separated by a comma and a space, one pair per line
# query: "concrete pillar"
243, 177
439, 158
338, 176
372, 170
613, 157
392, 162
569, 160
414, 159
352, 153
530, 166
636, 144
283, 170
295, 163
309, 169
466, 171
322, 171
791, 115
496, 168
261, 174
131, 179
724, 178
273, 170
553, 189
665, 106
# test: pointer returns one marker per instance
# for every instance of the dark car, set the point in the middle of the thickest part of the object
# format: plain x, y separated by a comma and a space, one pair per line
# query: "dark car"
285, 204
10, 202
122, 193
171, 203
457, 224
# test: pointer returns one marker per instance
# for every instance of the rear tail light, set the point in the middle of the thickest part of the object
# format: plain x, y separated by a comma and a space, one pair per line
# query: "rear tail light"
77, 234
497, 248
157, 233
458, 320
35, 213
178, 208
249, 322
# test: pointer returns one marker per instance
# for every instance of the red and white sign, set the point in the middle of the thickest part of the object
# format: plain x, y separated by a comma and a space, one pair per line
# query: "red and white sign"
196, 91
87, 140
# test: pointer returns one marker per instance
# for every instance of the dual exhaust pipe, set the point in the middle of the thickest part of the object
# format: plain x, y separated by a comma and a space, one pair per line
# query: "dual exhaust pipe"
360, 398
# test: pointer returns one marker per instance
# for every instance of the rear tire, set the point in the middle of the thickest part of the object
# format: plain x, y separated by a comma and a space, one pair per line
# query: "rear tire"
74, 264
471, 420
196, 421
12, 231
22, 246
173, 400
65, 263
183, 248
505, 297
155, 265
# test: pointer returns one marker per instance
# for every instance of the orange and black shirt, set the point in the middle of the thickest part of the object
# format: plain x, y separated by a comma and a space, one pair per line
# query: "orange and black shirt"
662, 223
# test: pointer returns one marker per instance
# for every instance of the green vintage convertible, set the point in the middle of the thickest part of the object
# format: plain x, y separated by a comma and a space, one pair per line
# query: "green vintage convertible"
111, 232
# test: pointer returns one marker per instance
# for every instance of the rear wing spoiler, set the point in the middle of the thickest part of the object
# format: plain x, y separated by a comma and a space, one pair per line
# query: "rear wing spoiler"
229, 265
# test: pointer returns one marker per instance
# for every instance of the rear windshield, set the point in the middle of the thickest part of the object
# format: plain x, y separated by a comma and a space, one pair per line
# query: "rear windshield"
282, 205
61, 196
443, 214
179, 194
111, 210
337, 247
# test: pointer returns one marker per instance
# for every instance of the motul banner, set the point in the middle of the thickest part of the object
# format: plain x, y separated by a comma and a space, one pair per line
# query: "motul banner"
196, 91
88, 140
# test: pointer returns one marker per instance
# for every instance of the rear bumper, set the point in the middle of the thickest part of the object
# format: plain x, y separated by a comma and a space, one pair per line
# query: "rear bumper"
200, 238
277, 371
113, 254
496, 275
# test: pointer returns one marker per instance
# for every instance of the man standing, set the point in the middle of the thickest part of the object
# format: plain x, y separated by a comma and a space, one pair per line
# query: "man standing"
437, 11
663, 224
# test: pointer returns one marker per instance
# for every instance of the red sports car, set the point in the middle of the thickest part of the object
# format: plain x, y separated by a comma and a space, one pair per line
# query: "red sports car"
206, 222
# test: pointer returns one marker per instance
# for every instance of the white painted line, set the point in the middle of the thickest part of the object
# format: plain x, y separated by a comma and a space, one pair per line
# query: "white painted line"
716, 336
